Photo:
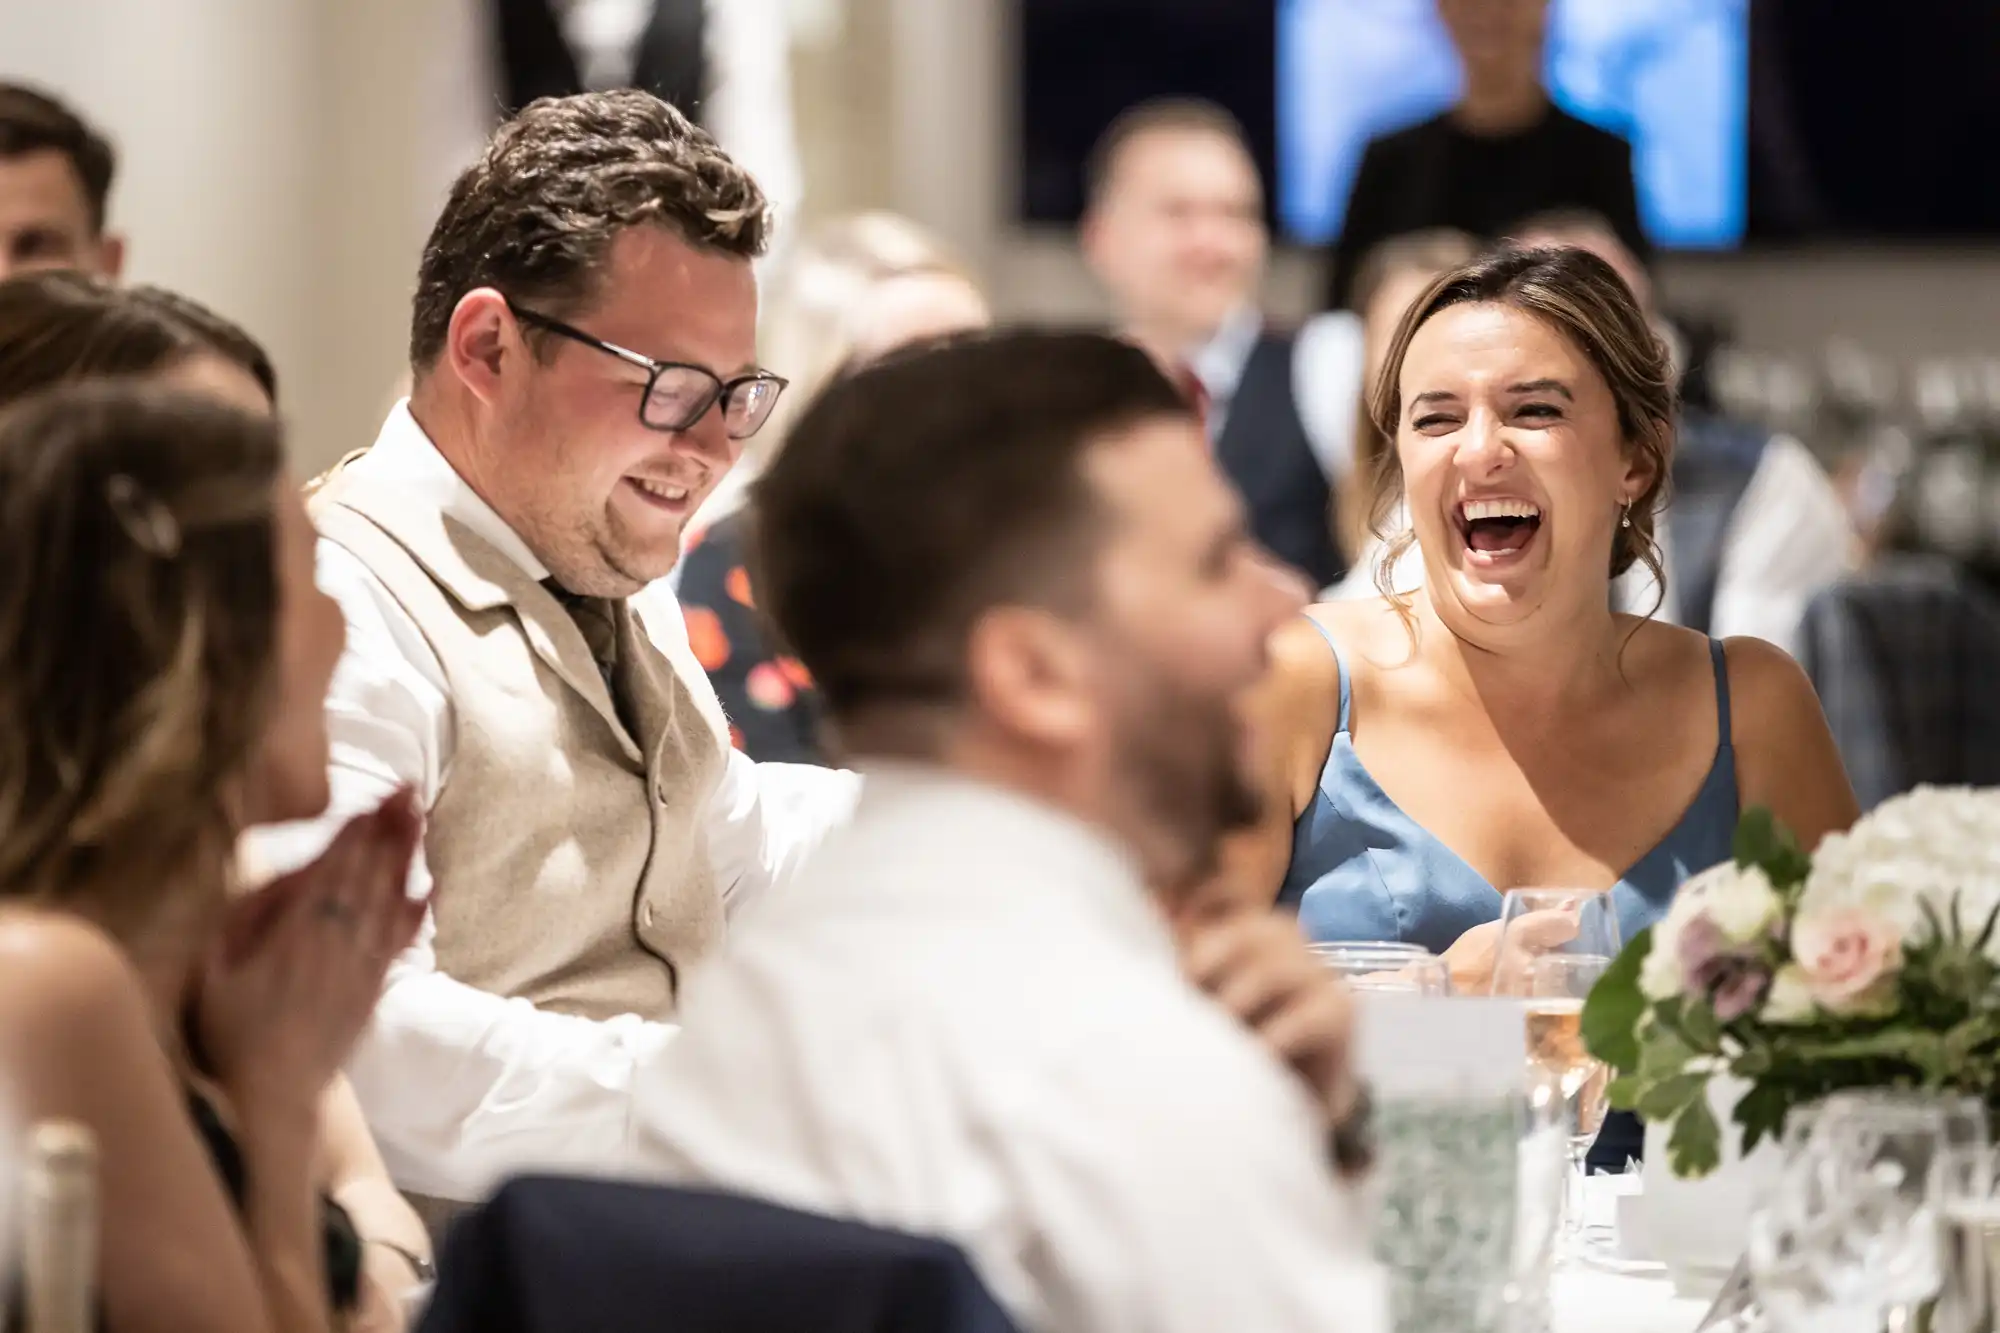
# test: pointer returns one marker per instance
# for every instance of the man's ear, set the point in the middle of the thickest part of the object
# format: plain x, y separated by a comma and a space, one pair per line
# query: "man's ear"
1028, 673
111, 256
483, 342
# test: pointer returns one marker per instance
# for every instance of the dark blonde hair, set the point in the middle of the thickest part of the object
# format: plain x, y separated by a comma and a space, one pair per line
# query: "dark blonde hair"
1583, 298
138, 629
59, 326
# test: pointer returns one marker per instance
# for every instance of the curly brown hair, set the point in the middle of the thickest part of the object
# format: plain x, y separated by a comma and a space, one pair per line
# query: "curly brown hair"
536, 215
137, 636
1583, 298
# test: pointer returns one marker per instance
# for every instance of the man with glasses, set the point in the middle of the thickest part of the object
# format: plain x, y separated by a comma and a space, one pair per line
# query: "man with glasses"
583, 356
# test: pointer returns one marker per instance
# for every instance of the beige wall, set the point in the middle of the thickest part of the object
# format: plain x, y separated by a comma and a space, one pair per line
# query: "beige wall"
266, 169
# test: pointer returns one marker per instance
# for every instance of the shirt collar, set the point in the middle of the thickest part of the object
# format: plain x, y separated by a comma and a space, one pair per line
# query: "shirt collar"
404, 454
956, 837
1219, 362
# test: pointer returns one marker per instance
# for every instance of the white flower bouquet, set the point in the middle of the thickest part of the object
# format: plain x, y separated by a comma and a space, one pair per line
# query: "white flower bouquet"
1874, 962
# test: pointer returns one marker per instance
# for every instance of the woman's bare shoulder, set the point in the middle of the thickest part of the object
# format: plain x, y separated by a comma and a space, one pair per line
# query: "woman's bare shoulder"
1786, 758
1661, 657
60, 973
1774, 700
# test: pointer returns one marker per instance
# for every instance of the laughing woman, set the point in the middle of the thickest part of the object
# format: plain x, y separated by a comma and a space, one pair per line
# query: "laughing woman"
1501, 726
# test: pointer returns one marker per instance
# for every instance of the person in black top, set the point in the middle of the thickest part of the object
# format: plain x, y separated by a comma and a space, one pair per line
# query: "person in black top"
1502, 153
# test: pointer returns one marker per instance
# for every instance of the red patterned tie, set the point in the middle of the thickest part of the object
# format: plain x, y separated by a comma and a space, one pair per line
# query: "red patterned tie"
1193, 390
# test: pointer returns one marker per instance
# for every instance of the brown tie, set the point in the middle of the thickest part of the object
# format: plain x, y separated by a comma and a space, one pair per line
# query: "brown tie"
597, 618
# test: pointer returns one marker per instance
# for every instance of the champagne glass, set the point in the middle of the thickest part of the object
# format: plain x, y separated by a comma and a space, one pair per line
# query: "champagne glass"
1554, 945
1408, 969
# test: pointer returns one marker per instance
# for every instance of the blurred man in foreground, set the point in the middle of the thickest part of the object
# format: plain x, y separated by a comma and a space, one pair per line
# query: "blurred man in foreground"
1033, 607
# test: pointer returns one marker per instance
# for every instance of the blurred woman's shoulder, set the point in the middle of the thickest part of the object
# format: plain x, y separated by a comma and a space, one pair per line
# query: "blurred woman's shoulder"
61, 977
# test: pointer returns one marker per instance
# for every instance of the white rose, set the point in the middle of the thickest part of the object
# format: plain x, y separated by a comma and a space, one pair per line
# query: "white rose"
1790, 1000
1932, 847
1660, 973
1743, 905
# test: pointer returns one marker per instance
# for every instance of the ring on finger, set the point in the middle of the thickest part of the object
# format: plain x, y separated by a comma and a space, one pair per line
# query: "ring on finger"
329, 910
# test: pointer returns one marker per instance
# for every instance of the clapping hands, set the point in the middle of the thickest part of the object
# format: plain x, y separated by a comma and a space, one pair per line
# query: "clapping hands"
297, 969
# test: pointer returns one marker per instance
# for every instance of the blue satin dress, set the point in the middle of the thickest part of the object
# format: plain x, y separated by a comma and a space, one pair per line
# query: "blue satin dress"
1363, 870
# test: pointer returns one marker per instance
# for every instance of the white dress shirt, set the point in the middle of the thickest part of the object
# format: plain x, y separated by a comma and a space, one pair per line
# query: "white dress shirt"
969, 1021
462, 1087
1788, 539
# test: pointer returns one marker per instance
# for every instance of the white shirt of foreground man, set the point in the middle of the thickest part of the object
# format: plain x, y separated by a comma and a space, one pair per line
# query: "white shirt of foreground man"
463, 1087
970, 1021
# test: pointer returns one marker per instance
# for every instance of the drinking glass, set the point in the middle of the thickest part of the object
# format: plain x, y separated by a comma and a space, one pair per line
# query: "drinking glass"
1554, 945
1850, 1239
1408, 969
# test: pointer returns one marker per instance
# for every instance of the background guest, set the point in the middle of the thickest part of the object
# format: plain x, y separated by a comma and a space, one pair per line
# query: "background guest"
1175, 232
1501, 153
57, 327
163, 632
854, 289
1501, 726
55, 188
1032, 604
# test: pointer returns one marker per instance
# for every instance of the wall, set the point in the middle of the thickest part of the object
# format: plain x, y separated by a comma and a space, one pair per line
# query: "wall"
267, 169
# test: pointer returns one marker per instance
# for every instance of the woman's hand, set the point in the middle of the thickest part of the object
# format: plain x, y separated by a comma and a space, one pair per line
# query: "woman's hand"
298, 966
1473, 958
387, 1279
1257, 966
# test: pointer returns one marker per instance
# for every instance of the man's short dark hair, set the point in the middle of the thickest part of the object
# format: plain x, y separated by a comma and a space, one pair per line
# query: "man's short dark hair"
33, 122
920, 493
536, 215
1170, 115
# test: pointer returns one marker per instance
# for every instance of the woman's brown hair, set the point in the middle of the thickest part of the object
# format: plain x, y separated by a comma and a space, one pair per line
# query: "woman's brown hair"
1583, 298
1426, 253
138, 627
62, 326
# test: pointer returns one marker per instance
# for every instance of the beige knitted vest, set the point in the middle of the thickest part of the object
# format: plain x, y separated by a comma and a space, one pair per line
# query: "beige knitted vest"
570, 856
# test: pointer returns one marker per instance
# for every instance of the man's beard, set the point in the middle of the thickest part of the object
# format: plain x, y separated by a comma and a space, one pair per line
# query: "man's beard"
1179, 756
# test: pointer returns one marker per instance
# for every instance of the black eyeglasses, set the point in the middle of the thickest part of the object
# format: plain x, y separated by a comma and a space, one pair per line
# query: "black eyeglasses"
678, 394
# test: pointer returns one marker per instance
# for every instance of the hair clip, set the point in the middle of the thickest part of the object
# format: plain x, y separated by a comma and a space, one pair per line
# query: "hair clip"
150, 524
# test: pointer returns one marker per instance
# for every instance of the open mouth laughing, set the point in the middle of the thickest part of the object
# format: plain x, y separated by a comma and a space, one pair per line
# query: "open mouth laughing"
1498, 530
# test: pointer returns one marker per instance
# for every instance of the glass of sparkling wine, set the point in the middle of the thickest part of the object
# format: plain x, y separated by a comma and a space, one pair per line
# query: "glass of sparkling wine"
1554, 945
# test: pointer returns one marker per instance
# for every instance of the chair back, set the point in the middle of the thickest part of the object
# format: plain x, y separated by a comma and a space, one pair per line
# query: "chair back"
1905, 656
549, 1255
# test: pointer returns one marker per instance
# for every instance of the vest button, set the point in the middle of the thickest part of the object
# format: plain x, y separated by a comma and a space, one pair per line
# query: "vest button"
646, 915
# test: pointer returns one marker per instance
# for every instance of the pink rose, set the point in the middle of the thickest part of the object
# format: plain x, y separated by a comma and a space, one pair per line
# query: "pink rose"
1849, 955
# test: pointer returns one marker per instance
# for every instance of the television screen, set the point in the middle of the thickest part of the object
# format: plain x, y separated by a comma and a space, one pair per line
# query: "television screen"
1749, 119
1671, 76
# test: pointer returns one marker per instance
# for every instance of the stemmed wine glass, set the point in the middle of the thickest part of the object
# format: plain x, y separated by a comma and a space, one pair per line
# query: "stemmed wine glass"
1554, 945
